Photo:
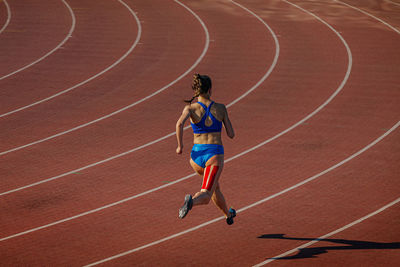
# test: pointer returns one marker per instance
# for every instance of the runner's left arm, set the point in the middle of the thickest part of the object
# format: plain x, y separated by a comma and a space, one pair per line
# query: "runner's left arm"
179, 128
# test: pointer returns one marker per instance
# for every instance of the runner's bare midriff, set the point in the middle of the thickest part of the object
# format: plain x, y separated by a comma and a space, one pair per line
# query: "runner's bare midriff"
208, 138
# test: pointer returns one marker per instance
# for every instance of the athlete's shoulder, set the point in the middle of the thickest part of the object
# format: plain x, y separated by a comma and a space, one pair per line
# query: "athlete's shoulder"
195, 106
218, 110
219, 105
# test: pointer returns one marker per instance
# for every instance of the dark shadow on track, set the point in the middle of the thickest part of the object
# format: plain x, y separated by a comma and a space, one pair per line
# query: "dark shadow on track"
312, 252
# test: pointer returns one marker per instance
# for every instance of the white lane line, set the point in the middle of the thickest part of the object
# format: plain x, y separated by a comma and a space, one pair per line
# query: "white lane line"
269, 71
8, 16
71, 30
321, 238
370, 15
249, 206
155, 141
205, 49
394, 3
88, 80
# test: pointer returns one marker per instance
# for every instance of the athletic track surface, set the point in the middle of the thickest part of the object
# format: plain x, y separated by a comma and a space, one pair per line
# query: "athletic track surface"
89, 95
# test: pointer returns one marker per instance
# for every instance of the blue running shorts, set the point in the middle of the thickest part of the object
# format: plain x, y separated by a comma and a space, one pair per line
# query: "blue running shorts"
201, 153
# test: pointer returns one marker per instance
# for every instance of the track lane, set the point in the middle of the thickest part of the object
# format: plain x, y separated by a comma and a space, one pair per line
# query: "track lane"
98, 44
128, 132
135, 76
5, 9
307, 250
393, 2
385, 10
359, 188
313, 209
106, 116
43, 33
379, 12
68, 35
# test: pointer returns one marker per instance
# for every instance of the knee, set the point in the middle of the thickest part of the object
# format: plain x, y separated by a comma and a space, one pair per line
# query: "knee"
207, 196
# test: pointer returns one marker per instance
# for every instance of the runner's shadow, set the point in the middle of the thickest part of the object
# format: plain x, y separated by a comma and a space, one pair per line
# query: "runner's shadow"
348, 245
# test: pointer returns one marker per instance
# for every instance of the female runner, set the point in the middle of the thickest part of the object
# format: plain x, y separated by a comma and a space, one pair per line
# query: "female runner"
207, 156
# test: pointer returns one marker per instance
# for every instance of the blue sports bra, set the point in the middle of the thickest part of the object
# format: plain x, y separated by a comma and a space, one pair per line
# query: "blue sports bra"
200, 127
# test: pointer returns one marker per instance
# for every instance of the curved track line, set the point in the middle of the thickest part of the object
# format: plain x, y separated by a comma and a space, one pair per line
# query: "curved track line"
205, 49
321, 238
394, 3
8, 16
48, 54
370, 15
91, 78
269, 71
252, 205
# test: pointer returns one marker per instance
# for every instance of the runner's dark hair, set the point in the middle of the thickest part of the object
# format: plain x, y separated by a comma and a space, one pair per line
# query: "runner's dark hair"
201, 85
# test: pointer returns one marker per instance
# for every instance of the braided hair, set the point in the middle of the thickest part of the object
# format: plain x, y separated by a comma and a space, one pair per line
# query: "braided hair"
201, 85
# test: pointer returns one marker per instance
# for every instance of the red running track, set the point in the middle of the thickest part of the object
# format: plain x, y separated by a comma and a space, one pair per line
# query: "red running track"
33, 31
313, 63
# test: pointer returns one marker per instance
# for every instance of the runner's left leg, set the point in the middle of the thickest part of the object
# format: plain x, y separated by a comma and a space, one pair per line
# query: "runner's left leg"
211, 176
